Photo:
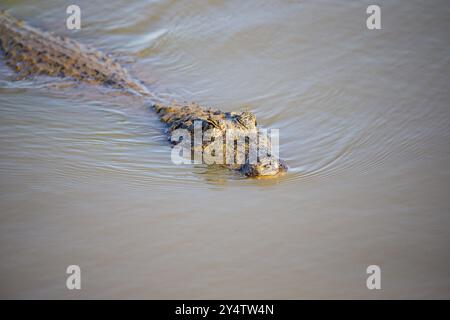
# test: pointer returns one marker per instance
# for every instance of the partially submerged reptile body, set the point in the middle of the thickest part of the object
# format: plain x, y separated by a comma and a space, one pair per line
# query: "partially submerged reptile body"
30, 51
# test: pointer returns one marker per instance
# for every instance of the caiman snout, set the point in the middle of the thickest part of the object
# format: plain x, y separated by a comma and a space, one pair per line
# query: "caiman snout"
269, 167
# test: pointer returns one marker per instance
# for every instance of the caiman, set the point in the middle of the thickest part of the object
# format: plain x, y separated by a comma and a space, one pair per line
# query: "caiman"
30, 51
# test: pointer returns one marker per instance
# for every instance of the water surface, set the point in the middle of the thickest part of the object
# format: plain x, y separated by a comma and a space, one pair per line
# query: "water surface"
86, 176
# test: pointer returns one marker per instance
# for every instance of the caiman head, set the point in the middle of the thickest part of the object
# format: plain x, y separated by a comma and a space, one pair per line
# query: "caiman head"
269, 167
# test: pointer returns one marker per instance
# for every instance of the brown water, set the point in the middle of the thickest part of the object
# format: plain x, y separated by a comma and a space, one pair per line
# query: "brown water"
86, 176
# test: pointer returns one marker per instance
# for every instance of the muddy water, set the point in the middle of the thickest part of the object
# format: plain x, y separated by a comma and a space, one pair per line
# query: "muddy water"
86, 176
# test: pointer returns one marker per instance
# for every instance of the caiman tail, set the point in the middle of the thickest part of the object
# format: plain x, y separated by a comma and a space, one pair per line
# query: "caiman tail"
31, 51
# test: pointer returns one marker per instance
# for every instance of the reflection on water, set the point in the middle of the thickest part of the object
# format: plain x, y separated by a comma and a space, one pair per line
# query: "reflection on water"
86, 176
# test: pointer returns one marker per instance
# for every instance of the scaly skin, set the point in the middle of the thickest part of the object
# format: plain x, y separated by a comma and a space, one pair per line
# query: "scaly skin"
30, 51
